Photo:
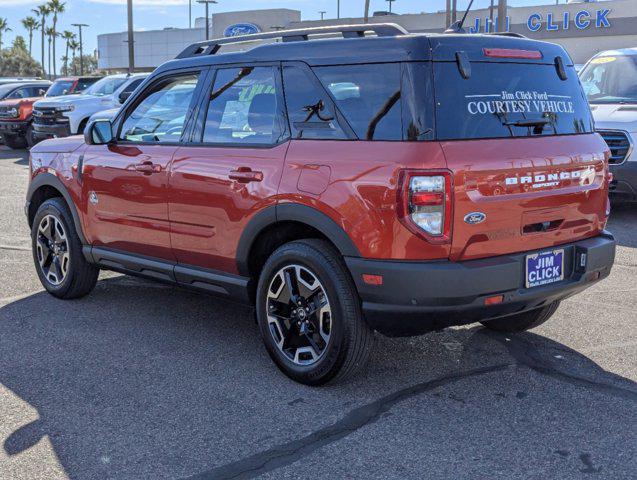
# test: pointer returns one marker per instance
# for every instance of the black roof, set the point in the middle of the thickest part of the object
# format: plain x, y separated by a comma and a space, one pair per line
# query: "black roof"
398, 46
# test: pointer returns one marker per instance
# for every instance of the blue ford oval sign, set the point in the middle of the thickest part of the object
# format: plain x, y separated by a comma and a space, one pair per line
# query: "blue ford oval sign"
475, 217
241, 29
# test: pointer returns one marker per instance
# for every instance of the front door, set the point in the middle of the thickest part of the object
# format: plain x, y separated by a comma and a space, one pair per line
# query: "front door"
125, 183
231, 168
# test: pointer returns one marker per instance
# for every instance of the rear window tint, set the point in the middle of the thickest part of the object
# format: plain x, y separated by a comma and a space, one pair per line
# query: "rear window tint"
368, 96
501, 100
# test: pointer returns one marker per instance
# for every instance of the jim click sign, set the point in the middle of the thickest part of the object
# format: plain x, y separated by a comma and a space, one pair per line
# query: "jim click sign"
535, 22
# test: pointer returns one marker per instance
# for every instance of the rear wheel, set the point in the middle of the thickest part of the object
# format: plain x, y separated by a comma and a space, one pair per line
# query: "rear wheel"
57, 252
309, 314
29, 137
14, 142
522, 321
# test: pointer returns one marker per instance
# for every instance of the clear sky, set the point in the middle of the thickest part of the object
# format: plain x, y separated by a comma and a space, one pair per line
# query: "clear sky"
106, 16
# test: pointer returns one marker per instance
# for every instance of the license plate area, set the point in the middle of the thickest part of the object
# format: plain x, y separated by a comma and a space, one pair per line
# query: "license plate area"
544, 268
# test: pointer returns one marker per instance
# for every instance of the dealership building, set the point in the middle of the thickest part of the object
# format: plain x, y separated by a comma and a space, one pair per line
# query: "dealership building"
583, 28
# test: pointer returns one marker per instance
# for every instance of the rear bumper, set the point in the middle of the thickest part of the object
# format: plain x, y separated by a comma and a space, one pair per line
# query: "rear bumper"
418, 297
624, 185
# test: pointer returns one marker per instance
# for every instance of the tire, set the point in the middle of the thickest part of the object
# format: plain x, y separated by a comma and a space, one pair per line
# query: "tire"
335, 313
522, 321
29, 137
60, 263
14, 142
82, 127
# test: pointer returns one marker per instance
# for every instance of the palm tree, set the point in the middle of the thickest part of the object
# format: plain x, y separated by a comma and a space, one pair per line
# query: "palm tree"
55, 7
67, 36
42, 11
74, 45
50, 33
4, 27
30, 24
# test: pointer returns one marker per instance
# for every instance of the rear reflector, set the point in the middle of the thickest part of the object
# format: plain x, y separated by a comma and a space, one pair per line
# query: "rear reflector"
512, 53
494, 300
370, 279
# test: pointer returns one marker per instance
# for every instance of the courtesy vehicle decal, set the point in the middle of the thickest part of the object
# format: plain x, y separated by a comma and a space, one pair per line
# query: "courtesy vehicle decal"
520, 101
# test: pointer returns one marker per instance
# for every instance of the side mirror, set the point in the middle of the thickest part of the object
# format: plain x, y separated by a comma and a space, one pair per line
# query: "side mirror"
99, 132
124, 96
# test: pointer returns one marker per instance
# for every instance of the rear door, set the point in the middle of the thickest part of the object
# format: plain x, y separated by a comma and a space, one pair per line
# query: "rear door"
528, 171
232, 166
126, 182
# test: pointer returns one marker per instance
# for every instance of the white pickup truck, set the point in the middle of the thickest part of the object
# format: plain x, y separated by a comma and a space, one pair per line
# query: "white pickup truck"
64, 116
610, 83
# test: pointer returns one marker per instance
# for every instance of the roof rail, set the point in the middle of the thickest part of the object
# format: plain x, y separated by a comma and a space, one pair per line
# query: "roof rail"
210, 47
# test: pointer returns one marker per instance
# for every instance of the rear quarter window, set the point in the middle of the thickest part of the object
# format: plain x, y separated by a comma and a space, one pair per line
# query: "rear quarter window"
503, 100
369, 96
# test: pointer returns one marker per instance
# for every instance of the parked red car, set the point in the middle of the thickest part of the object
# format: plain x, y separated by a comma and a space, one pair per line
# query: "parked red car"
394, 182
16, 113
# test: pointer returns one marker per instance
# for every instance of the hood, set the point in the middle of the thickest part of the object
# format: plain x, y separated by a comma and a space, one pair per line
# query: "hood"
71, 100
59, 145
18, 101
615, 116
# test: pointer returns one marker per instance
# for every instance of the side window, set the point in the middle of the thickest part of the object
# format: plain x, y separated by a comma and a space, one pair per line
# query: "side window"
309, 109
130, 88
161, 115
84, 83
244, 107
368, 96
19, 93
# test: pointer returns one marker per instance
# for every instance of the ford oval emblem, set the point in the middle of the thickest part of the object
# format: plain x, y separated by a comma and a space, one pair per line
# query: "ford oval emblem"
241, 29
474, 218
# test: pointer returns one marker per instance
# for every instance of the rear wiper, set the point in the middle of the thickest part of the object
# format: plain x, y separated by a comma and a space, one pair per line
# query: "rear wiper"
540, 122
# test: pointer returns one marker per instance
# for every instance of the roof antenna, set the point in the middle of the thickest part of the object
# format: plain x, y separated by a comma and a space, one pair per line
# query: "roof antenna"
456, 27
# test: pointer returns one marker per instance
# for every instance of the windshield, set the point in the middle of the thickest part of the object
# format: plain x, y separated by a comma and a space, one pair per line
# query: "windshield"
611, 79
106, 86
7, 89
61, 87
502, 100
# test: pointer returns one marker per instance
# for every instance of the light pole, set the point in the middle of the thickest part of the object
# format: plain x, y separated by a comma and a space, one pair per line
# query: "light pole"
80, 25
322, 12
338, 8
390, 2
502, 16
189, 13
206, 3
131, 39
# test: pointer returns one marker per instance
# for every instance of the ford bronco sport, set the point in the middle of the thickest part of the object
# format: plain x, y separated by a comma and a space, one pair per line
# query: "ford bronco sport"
394, 182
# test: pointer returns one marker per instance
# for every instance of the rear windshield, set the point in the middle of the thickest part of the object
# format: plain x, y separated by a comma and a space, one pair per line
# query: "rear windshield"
84, 83
61, 87
501, 100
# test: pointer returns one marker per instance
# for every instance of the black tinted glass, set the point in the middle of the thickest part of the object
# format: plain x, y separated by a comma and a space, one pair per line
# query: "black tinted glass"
84, 83
309, 108
502, 100
368, 96
60, 87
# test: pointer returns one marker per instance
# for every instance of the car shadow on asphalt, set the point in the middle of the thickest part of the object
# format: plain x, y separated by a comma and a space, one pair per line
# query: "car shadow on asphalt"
623, 224
149, 381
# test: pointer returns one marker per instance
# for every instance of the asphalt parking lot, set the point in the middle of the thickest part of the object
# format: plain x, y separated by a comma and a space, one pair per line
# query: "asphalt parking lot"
143, 381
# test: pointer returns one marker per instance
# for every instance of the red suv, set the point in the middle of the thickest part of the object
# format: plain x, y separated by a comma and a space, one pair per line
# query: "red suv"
381, 181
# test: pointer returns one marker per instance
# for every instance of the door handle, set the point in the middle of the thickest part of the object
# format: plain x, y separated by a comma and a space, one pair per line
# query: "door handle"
147, 168
245, 175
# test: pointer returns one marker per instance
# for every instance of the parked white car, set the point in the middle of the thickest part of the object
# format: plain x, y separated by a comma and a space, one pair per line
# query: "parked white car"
64, 116
610, 83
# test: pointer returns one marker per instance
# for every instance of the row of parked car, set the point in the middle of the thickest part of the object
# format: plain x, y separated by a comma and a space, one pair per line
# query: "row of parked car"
32, 110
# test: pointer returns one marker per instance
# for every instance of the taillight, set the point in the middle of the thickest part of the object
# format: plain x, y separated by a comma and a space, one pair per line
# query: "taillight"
425, 204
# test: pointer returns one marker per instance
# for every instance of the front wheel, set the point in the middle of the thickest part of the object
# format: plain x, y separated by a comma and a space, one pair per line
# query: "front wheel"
309, 314
522, 322
57, 252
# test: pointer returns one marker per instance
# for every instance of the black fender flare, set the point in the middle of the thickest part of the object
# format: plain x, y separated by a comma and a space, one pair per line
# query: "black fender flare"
48, 179
295, 212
